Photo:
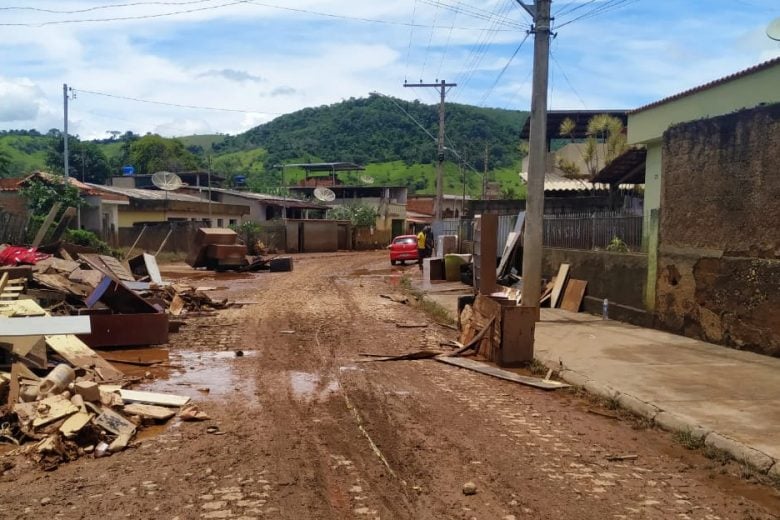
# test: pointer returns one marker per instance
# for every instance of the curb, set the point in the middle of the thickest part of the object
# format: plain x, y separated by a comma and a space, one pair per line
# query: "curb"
672, 422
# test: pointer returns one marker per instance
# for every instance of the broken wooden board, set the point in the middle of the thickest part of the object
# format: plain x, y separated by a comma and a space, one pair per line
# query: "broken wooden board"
89, 277
560, 281
45, 325
20, 308
137, 396
148, 411
116, 296
58, 282
58, 406
41, 234
78, 354
177, 306
484, 368
75, 423
114, 423
572, 297
32, 348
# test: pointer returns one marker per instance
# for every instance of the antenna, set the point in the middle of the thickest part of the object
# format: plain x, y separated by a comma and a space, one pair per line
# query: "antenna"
324, 194
167, 181
773, 31
365, 179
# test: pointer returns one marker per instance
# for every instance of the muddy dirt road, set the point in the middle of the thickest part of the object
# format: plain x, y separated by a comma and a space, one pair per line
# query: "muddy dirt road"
309, 432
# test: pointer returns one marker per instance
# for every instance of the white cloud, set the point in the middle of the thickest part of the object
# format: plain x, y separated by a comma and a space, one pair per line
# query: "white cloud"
20, 100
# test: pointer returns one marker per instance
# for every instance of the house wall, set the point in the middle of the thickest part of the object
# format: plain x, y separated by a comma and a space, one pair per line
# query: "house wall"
257, 210
618, 277
320, 236
129, 216
12, 202
719, 244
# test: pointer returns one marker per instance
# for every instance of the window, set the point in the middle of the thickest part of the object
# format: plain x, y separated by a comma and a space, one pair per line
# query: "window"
405, 240
220, 222
233, 222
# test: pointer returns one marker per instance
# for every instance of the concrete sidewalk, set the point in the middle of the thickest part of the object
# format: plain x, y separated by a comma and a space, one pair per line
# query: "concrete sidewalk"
728, 397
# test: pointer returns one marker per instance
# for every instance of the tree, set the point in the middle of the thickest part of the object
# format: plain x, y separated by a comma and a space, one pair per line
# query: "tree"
86, 161
5, 162
606, 140
361, 215
152, 153
41, 196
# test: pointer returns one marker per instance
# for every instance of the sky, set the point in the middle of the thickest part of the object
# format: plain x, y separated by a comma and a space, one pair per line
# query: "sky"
259, 59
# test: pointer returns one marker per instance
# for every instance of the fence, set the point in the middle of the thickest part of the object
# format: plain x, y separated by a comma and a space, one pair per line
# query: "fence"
14, 229
464, 229
593, 230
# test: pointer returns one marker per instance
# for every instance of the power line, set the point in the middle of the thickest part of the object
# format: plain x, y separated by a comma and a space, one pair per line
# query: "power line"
237, 2
506, 66
99, 7
195, 107
430, 39
447, 45
411, 34
610, 5
566, 77
123, 18
476, 13
577, 5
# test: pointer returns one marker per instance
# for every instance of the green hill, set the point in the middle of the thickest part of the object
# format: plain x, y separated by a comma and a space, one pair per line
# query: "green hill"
380, 133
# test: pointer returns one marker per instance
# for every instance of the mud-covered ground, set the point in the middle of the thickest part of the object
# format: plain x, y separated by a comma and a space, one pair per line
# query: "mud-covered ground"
308, 431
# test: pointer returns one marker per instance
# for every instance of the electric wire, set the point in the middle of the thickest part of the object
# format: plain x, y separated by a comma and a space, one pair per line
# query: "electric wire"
178, 105
566, 77
446, 45
477, 13
577, 5
501, 74
430, 39
99, 7
608, 6
411, 34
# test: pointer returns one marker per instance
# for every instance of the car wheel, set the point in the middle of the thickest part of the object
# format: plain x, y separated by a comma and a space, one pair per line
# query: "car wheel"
403, 262
392, 262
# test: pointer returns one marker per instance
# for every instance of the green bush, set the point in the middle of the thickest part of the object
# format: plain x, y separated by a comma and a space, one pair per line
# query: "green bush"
82, 237
616, 245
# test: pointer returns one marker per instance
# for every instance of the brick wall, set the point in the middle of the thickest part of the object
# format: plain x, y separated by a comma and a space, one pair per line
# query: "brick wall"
719, 243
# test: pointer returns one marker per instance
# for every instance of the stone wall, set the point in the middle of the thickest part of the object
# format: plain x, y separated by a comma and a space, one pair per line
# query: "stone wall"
719, 242
618, 277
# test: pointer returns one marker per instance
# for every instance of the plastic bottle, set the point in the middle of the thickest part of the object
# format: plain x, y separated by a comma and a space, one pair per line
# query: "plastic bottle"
605, 309
57, 380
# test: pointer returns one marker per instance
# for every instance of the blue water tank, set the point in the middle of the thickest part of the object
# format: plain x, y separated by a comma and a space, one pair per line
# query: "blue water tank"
239, 180
128, 170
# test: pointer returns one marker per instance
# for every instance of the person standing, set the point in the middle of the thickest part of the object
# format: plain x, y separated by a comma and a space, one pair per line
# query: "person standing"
428, 242
421, 247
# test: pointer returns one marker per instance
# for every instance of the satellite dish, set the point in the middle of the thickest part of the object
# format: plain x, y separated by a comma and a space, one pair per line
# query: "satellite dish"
773, 31
367, 180
167, 181
324, 194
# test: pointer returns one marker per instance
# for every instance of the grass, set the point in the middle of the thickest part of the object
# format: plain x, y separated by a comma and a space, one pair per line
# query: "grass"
434, 309
537, 368
688, 440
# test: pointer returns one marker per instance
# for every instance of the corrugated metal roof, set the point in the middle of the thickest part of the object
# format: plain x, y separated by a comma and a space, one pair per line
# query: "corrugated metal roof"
628, 167
555, 182
747, 72
290, 202
10, 184
141, 194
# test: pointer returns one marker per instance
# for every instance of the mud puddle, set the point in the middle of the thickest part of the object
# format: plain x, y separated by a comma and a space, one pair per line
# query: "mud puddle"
307, 386
203, 374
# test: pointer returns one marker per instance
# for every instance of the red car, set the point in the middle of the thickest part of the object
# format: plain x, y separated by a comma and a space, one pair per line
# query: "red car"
403, 248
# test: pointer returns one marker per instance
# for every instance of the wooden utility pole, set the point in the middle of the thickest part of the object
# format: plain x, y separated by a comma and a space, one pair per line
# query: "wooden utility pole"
485, 174
534, 213
438, 202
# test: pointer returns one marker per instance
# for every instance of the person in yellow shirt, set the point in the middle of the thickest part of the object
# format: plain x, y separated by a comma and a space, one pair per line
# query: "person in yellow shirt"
421, 236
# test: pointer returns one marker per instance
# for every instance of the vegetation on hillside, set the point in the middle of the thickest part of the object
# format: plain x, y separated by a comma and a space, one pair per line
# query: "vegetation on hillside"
370, 131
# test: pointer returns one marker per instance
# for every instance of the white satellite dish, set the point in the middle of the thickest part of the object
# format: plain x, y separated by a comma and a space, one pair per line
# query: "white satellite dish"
324, 194
773, 31
167, 181
365, 179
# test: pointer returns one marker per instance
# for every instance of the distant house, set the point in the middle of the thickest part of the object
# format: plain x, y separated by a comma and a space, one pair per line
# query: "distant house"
196, 178
262, 207
452, 205
154, 206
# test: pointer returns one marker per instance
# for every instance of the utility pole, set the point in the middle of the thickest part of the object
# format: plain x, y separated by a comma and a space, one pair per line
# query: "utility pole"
485, 175
65, 152
438, 202
534, 212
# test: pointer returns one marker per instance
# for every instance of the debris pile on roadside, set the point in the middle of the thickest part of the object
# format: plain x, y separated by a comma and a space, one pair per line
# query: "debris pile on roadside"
59, 398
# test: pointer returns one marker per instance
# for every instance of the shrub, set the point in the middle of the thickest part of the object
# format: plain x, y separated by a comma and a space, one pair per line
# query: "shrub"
82, 237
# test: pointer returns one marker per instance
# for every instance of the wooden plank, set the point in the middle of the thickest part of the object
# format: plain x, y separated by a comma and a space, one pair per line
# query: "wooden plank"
488, 244
75, 352
21, 345
46, 325
13, 394
3, 282
148, 411
41, 234
560, 281
21, 308
75, 423
67, 216
484, 368
59, 407
572, 297
137, 396
118, 269
152, 268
